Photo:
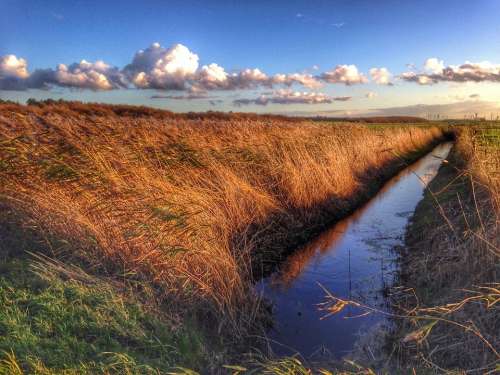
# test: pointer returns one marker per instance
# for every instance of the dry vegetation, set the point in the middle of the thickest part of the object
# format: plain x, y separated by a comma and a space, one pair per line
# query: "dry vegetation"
444, 305
450, 270
193, 206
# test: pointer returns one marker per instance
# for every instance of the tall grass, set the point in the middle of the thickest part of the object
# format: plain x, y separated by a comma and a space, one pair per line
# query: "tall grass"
452, 264
446, 301
191, 205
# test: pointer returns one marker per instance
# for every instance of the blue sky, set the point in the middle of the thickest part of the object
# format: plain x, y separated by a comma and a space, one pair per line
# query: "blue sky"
274, 36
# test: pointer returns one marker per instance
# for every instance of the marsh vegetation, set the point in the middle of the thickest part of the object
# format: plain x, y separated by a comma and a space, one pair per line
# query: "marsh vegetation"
172, 218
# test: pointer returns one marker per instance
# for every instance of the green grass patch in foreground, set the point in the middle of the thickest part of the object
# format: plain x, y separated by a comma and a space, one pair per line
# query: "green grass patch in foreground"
53, 326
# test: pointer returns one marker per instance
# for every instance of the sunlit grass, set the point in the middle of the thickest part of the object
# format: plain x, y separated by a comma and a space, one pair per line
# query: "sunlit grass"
192, 207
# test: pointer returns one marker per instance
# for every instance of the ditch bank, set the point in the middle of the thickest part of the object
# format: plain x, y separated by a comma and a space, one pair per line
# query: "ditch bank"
354, 260
449, 271
285, 232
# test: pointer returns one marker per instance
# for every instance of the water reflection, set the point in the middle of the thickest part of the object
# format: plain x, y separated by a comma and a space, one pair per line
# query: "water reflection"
353, 259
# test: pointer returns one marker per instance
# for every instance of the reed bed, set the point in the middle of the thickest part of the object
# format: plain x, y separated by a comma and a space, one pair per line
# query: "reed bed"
450, 278
445, 301
192, 205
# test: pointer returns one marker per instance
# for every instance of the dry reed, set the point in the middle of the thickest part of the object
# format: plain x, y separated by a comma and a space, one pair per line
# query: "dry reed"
187, 202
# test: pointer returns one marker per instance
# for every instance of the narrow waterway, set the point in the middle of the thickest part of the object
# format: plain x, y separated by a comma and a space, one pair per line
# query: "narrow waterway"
354, 259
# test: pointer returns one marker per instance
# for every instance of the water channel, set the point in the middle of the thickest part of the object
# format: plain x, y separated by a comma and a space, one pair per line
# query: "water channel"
354, 259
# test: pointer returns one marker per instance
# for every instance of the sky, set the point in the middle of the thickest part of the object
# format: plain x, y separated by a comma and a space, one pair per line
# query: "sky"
338, 58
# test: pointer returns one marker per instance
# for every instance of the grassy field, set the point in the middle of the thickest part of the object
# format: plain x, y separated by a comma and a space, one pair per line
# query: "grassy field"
153, 226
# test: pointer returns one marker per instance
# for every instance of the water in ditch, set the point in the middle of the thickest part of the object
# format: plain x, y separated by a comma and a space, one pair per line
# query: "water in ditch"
354, 259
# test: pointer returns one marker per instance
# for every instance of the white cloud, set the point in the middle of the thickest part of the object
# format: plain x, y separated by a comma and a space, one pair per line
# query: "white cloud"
212, 76
381, 76
421, 79
346, 74
13, 73
178, 68
248, 78
306, 80
435, 71
13, 67
94, 76
434, 65
161, 68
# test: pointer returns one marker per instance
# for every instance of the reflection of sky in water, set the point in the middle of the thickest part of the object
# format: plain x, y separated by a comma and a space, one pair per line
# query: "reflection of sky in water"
352, 259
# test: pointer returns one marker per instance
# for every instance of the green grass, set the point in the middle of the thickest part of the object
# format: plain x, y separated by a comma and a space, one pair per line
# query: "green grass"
50, 324
490, 136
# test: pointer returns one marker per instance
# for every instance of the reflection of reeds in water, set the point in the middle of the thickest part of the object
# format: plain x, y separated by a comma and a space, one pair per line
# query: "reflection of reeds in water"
447, 305
324, 244
296, 263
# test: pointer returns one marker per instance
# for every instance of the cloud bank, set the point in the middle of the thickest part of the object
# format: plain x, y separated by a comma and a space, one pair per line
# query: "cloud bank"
286, 96
435, 71
178, 69
160, 68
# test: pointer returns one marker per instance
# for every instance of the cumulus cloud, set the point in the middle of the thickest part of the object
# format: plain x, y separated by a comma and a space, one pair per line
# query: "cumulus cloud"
87, 75
14, 75
212, 76
162, 68
13, 67
346, 74
306, 80
178, 68
421, 79
157, 67
286, 96
435, 71
13, 72
434, 65
248, 78
381, 76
